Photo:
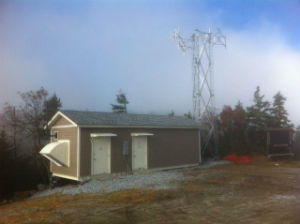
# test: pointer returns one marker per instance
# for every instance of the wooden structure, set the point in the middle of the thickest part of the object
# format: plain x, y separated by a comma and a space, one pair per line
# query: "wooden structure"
280, 142
85, 143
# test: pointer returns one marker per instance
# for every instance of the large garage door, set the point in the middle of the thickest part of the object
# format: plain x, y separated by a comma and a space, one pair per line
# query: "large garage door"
139, 152
101, 155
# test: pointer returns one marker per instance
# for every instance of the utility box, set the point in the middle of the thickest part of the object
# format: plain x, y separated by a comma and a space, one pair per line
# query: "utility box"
125, 148
125, 152
280, 142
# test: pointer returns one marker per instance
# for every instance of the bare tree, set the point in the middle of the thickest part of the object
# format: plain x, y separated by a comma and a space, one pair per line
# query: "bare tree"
32, 117
32, 121
12, 122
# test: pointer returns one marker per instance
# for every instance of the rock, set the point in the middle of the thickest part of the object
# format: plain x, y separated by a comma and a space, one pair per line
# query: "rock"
19, 195
41, 187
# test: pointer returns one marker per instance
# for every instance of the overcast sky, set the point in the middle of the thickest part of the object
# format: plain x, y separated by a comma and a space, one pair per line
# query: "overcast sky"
85, 51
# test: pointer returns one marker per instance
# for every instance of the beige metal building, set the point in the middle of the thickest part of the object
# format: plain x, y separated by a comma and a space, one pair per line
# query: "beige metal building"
84, 143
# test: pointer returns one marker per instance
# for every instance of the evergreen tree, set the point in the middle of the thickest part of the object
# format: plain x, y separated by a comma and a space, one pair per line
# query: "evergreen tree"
258, 119
258, 115
122, 101
279, 115
51, 106
188, 115
172, 114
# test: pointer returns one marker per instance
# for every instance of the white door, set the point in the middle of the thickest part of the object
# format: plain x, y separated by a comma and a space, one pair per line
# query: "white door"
101, 155
139, 152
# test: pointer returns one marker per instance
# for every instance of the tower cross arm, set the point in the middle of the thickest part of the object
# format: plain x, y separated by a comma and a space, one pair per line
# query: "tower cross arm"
182, 43
218, 38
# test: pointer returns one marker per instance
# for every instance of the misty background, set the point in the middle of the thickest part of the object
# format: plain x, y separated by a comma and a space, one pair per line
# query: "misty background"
85, 51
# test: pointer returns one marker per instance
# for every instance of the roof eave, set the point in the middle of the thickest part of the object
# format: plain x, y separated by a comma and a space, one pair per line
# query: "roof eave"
135, 126
56, 115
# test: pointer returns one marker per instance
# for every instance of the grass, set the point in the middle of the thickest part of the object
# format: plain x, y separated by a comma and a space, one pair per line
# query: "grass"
264, 191
41, 210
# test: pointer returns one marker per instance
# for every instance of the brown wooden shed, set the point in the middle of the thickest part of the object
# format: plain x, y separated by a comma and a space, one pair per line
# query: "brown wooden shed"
280, 142
85, 143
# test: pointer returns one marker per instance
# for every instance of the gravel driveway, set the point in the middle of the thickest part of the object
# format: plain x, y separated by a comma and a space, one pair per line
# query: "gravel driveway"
151, 179
154, 180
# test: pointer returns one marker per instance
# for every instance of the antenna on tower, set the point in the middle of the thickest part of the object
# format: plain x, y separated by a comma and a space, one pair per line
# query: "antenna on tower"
201, 44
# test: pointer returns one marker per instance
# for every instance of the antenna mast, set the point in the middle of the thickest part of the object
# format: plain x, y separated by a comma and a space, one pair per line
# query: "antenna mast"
201, 43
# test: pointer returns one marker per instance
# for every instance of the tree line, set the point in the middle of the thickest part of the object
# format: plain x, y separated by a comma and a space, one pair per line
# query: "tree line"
243, 130
24, 131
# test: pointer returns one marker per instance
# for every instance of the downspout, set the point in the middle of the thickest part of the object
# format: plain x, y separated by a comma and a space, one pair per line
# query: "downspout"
199, 141
78, 153
92, 158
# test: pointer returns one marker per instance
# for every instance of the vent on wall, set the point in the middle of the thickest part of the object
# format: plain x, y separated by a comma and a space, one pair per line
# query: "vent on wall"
58, 152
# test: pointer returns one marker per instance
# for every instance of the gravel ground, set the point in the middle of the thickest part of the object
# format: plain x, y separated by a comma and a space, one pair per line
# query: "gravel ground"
212, 163
154, 180
280, 197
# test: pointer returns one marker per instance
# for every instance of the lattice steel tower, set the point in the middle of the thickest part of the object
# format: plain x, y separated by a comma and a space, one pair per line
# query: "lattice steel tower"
201, 44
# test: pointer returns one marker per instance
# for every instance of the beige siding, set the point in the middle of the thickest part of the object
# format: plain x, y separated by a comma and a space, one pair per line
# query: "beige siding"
67, 134
168, 147
173, 148
61, 121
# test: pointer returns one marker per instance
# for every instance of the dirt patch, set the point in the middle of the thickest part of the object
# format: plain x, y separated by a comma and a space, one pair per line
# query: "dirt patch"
258, 192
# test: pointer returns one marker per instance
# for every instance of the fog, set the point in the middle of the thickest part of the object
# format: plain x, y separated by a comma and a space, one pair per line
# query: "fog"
86, 52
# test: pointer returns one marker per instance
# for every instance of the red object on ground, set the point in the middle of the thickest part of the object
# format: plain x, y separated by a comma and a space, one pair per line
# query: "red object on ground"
232, 157
243, 160
237, 159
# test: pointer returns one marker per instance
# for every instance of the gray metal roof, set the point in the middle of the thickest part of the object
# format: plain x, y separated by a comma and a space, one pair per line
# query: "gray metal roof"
91, 118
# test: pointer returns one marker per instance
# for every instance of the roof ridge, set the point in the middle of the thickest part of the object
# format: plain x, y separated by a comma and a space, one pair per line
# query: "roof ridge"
110, 112
95, 118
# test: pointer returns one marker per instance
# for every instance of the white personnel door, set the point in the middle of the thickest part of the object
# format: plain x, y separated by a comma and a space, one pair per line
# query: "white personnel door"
101, 155
139, 152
